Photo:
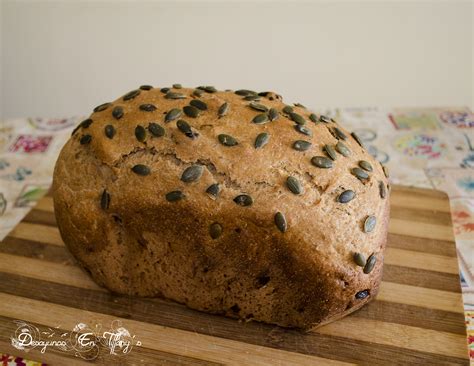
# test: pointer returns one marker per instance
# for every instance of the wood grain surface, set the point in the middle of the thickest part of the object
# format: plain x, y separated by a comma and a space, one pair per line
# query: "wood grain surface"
417, 317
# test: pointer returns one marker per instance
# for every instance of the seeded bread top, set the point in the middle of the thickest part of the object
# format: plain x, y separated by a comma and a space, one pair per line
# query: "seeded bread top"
244, 153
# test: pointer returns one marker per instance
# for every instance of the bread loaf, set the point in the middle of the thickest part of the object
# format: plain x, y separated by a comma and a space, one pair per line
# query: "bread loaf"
230, 202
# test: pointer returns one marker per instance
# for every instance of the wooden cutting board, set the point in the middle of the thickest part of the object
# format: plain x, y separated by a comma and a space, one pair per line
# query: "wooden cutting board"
417, 318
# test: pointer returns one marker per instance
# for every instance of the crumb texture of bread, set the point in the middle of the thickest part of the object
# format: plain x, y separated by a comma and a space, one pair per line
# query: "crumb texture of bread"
230, 202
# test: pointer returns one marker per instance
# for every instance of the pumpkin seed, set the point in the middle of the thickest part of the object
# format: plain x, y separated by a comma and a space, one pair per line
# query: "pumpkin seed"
109, 131
369, 224
173, 114
192, 173
85, 139
280, 222
369, 266
141, 169
362, 294
213, 191
346, 196
117, 112
199, 104
172, 95
156, 130
177, 86
147, 107
223, 109
359, 259
185, 128
261, 140
288, 109
260, 119
146, 87
140, 133
105, 200
297, 118
258, 107
382, 190
342, 149
313, 118
131, 95
330, 151
198, 92
263, 94
164, 90
339, 134
321, 162
303, 130
243, 200
227, 140
385, 170
86, 123
294, 185
245, 92
174, 196
273, 114
191, 111
102, 107
365, 165
301, 145
252, 97
299, 105
215, 230
357, 138
359, 173
209, 89
324, 119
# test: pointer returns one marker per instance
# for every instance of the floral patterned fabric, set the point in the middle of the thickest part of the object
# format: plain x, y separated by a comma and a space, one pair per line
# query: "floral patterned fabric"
430, 148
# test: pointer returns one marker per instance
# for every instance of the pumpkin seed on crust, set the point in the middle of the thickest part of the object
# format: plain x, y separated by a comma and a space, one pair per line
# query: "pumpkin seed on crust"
280, 222
297, 118
273, 114
223, 109
199, 104
192, 173
371, 261
321, 162
215, 230
172, 114
369, 223
359, 259
174, 196
342, 149
330, 151
359, 173
294, 185
227, 140
365, 165
141, 169
301, 145
243, 200
260, 119
261, 140
346, 196
156, 130
213, 190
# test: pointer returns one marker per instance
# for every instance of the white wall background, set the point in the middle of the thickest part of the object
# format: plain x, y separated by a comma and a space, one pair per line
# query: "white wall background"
63, 58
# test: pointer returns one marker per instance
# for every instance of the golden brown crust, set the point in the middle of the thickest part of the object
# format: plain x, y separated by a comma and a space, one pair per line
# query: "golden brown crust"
213, 254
